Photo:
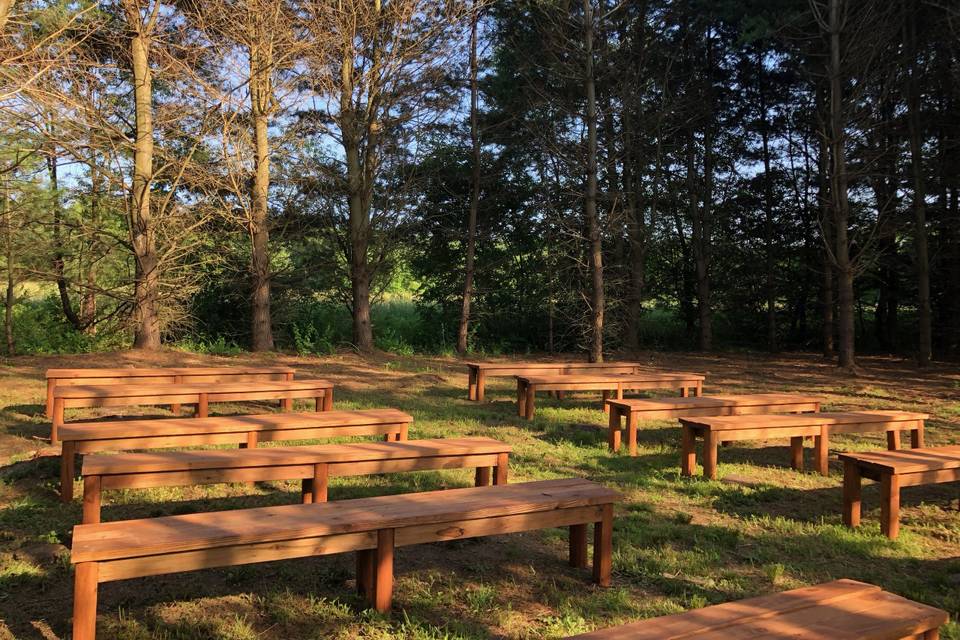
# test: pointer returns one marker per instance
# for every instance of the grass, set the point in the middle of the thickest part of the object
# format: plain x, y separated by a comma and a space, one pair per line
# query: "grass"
679, 543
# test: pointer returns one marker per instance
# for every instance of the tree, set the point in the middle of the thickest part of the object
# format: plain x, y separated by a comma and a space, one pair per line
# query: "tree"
591, 217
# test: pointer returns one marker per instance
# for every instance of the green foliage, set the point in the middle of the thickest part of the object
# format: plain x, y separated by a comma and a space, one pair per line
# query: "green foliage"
39, 327
218, 346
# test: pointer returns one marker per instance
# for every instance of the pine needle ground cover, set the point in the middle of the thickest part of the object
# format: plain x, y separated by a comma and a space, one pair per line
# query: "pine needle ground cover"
678, 543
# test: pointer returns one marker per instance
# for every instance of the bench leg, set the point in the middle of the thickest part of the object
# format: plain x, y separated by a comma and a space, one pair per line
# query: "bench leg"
521, 399
57, 421
402, 436
91, 499
603, 547
51, 383
501, 471
383, 581
203, 407
632, 419
698, 391
471, 383
306, 491
85, 581
688, 451
365, 573
328, 399
684, 392
560, 395
851, 493
710, 444
531, 394
821, 446
893, 440
578, 546
613, 434
931, 634
67, 462
481, 384
482, 478
796, 453
175, 409
916, 437
890, 505
286, 405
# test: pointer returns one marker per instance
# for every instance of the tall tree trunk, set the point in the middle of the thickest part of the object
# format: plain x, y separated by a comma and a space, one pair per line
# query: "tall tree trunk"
58, 258
921, 257
463, 330
838, 191
11, 276
590, 202
827, 320
358, 201
88, 301
261, 96
143, 235
770, 280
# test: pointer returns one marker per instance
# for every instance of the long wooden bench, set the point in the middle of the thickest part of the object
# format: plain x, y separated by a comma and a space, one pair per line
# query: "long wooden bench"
838, 610
245, 430
373, 527
199, 394
893, 470
478, 372
796, 427
528, 386
313, 465
634, 410
164, 375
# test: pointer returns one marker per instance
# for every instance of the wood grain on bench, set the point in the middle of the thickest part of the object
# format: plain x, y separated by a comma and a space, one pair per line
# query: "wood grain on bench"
160, 375
528, 386
200, 394
245, 430
313, 465
634, 410
839, 610
893, 470
478, 372
796, 427
373, 527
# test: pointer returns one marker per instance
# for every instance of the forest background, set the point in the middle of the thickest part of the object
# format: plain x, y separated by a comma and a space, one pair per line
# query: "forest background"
470, 176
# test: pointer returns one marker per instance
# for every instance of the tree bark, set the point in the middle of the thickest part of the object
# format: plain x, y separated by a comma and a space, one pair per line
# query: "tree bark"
261, 96
770, 276
11, 276
921, 257
464, 329
590, 202
88, 301
143, 235
827, 319
838, 191
58, 258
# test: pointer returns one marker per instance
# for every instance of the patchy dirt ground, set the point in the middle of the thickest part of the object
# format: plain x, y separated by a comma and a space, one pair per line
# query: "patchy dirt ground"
679, 543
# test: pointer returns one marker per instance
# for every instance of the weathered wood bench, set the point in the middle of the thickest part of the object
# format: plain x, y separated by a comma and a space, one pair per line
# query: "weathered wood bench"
795, 427
478, 372
634, 410
245, 430
893, 470
165, 375
838, 610
199, 394
372, 527
528, 386
313, 465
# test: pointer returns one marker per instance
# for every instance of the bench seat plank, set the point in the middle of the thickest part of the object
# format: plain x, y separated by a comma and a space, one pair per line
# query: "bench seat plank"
313, 465
820, 426
171, 534
479, 371
528, 386
904, 461
843, 609
635, 409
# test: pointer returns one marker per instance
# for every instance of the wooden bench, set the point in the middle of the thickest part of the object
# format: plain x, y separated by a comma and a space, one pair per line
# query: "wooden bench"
246, 431
528, 386
373, 527
199, 394
635, 410
838, 610
820, 426
893, 470
478, 372
313, 465
167, 375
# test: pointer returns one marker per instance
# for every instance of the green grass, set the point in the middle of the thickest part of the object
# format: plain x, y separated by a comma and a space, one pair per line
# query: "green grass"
678, 543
